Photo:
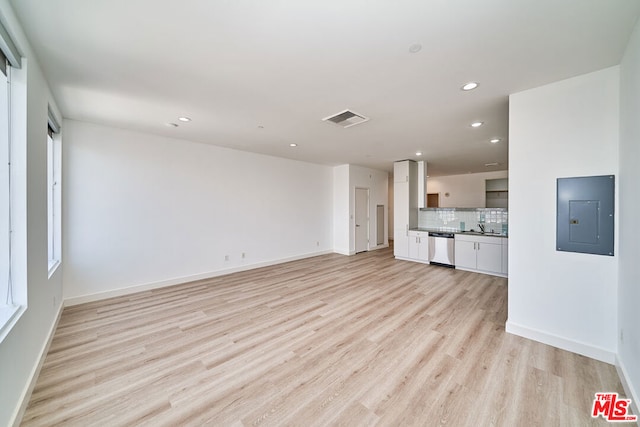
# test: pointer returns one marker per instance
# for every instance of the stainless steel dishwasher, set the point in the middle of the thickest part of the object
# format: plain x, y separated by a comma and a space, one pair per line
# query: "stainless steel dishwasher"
442, 249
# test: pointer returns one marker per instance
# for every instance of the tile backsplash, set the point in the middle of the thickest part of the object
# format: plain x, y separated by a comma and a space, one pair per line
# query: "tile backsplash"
495, 220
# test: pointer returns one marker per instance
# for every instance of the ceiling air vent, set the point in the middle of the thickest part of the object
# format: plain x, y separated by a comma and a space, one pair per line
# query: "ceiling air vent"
346, 118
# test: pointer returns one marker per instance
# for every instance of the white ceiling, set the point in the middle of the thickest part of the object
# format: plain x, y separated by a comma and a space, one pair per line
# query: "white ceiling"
257, 75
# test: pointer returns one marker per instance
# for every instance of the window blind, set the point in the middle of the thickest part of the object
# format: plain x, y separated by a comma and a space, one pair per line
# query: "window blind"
3, 63
9, 49
54, 125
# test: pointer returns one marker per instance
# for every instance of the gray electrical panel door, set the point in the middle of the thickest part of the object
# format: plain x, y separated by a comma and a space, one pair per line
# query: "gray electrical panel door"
585, 221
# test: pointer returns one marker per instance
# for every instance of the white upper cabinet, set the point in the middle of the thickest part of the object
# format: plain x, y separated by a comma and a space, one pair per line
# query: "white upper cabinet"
401, 171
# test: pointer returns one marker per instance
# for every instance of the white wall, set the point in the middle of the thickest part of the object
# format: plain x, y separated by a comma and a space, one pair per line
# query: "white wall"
346, 179
21, 350
629, 285
142, 210
565, 129
341, 221
390, 199
465, 191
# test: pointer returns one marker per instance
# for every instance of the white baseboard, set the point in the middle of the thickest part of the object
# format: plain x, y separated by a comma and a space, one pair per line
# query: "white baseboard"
584, 349
375, 248
342, 251
35, 372
488, 273
412, 260
631, 392
349, 252
178, 280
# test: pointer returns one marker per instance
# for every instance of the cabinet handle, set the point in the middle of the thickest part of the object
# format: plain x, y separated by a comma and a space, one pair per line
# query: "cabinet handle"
478, 245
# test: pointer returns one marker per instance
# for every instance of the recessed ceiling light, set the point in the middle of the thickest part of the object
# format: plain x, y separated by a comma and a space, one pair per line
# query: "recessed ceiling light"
293, 144
476, 124
495, 140
470, 86
184, 119
171, 125
418, 153
491, 164
260, 127
415, 48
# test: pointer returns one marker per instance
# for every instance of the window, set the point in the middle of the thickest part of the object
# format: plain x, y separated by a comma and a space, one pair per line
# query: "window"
7, 305
13, 287
53, 193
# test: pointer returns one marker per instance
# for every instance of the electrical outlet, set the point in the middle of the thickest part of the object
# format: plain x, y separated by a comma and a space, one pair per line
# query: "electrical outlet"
226, 257
243, 255
317, 243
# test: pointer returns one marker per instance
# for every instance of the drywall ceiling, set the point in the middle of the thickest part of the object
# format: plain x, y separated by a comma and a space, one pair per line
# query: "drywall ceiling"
260, 75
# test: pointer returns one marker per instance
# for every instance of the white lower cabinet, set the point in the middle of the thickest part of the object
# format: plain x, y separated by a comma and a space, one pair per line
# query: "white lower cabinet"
483, 254
419, 246
489, 257
465, 254
401, 243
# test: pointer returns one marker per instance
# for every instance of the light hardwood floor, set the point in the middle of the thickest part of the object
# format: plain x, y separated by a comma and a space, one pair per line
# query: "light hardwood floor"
330, 340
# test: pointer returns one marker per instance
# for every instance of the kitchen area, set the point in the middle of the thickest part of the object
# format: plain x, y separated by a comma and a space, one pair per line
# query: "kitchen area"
471, 238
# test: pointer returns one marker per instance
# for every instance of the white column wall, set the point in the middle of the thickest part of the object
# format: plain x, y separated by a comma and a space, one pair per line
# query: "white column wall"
341, 221
390, 200
565, 129
629, 287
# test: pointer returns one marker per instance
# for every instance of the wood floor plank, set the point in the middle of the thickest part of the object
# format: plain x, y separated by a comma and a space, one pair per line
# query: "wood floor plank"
363, 340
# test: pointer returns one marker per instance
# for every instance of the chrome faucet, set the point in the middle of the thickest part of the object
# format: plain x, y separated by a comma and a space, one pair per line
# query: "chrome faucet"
481, 227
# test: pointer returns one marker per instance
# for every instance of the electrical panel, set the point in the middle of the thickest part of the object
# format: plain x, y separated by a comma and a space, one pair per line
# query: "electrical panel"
585, 214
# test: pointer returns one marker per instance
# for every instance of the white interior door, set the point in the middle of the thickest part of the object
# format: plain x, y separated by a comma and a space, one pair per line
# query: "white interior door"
362, 219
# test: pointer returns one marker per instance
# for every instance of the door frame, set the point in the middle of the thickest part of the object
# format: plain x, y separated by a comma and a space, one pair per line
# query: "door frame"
355, 216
